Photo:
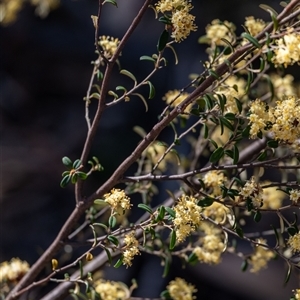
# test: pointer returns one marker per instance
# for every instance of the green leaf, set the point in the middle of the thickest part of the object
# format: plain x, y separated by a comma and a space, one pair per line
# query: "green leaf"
161, 214
205, 131
239, 232
67, 161
213, 74
262, 156
80, 269
119, 263
244, 265
230, 116
214, 143
236, 154
165, 20
113, 239
222, 101
146, 208
217, 155
272, 144
192, 259
226, 123
208, 101
101, 225
82, 175
112, 221
121, 88
151, 90
291, 231
257, 216
76, 163
113, 2
207, 201
163, 40
288, 274
268, 9
65, 181
172, 240
170, 211
246, 131
145, 57
167, 267
238, 104
143, 99
128, 74
251, 39
74, 178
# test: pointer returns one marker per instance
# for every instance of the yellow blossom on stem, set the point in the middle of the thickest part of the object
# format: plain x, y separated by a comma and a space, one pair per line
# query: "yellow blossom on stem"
214, 179
174, 98
111, 290
272, 197
297, 294
287, 49
259, 259
217, 30
131, 248
295, 196
294, 242
13, 270
253, 191
109, 45
187, 217
255, 26
117, 199
179, 289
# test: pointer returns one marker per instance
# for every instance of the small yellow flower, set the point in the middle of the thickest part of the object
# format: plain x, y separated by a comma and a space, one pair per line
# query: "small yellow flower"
287, 49
253, 190
255, 26
179, 289
117, 199
109, 45
217, 30
297, 294
111, 290
174, 98
294, 242
13, 270
259, 259
131, 249
295, 196
214, 179
187, 217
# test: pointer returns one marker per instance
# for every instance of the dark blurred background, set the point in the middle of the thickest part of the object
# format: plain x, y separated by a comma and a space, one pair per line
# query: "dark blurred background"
45, 70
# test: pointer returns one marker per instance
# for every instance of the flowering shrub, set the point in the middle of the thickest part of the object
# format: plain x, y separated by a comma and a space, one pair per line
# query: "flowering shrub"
240, 119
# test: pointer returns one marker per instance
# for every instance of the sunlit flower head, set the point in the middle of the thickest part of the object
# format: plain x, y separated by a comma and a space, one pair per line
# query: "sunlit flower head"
179, 289
254, 26
253, 191
214, 179
111, 290
217, 30
12, 271
259, 259
109, 45
117, 199
187, 217
294, 242
131, 248
295, 196
174, 98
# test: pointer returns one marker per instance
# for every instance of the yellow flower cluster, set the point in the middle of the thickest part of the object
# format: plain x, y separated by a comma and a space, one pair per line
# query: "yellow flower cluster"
155, 151
214, 179
13, 270
218, 30
295, 196
179, 289
109, 45
283, 85
217, 211
10, 8
117, 199
111, 290
232, 88
282, 120
272, 198
187, 217
294, 242
212, 244
253, 190
255, 26
297, 294
259, 259
182, 21
287, 49
131, 249
174, 98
